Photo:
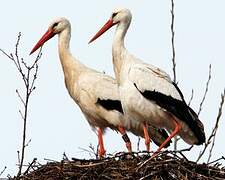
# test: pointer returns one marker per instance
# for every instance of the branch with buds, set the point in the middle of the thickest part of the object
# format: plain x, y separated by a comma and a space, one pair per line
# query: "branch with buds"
28, 73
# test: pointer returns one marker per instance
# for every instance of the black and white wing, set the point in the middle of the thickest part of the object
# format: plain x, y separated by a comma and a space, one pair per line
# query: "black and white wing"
156, 86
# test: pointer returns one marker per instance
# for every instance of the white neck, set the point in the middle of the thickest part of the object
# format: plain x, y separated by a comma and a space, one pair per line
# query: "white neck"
118, 48
71, 66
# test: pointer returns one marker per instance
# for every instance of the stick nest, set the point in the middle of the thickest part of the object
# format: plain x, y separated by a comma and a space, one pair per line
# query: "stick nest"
167, 165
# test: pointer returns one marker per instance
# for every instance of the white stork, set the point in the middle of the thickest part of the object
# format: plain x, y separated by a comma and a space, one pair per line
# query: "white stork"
95, 93
147, 93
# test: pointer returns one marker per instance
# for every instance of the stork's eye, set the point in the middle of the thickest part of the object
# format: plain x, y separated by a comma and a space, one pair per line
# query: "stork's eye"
114, 14
55, 24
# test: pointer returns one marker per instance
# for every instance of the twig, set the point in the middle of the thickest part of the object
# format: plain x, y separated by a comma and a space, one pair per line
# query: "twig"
3, 171
216, 125
213, 133
18, 156
28, 143
21, 114
92, 151
50, 160
216, 160
65, 157
173, 56
25, 71
30, 165
172, 41
186, 149
89, 165
206, 90
21, 99
191, 98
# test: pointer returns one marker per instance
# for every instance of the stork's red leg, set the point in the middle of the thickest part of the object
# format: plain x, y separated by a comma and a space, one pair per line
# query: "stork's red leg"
176, 130
101, 150
146, 135
125, 138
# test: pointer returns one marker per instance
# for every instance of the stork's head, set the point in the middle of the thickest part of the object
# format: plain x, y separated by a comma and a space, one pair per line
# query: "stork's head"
57, 26
120, 16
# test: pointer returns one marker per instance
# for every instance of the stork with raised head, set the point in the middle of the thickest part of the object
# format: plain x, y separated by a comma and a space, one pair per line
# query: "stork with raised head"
147, 93
95, 93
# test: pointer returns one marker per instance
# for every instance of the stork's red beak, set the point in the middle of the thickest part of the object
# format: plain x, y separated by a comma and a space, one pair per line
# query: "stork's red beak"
107, 25
48, 35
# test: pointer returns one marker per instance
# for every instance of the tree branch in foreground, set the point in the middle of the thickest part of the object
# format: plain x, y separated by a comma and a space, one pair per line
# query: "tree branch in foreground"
214, 131
29, 75
172, 41
206, 90
3, 171
173, 57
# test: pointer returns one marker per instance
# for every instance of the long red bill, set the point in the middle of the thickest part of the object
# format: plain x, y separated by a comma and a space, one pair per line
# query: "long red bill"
107, 25
48, 35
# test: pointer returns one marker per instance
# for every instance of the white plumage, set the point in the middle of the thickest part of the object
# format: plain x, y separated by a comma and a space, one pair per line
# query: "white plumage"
147, 93
95, 93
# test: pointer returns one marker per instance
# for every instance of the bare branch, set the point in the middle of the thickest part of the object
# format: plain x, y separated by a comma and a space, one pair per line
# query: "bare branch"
192, 95
213, 133
18, 156
65, 157
222, 158
172, 41
92, 150
30, 165
26, 72
21, 114
32, 87
9, 56
27, 144
173, 56
20, 97
3, 171
206, 90
216, 125
50, 160
16, 52
37, 58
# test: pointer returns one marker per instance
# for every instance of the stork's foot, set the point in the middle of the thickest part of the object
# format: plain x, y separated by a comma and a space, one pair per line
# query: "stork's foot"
175, 132
125, 138
146, 136
101, 150
129, 146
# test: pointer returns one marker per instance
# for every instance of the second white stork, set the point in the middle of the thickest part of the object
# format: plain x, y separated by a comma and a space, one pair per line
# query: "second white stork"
95, 93
147, 93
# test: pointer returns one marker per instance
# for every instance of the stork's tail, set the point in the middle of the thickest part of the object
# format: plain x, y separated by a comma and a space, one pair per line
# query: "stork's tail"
200, 134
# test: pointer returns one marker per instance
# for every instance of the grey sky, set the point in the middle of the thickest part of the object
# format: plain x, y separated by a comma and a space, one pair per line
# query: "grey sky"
55, 122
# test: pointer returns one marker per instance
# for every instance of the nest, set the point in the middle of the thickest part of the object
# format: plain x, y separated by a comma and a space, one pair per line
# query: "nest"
167, 165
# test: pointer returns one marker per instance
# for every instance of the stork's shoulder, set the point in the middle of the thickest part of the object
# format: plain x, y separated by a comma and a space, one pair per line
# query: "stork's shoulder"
147, 77
148, 69
99, 85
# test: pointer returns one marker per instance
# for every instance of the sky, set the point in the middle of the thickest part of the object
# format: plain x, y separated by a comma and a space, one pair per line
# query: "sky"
55, 123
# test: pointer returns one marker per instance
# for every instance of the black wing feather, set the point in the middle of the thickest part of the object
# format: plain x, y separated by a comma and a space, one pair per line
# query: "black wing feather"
110, 104
178, 108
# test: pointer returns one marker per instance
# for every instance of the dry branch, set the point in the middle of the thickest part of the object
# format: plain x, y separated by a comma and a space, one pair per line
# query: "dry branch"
124, 166
214, 131
173, 57
206, 90
29, 75
3, 171
191, 98
217, 125
172, 41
